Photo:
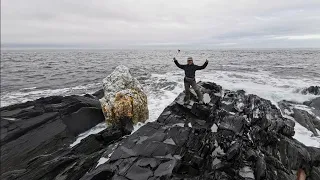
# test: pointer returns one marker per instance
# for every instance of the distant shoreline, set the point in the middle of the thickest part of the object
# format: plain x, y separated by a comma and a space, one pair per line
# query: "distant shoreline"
152, 48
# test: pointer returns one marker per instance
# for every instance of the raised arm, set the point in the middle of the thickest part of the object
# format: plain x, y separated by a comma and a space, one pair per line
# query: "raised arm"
203, 66
179, 65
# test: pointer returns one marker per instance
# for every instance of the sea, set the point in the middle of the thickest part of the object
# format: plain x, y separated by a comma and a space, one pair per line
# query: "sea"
274, 74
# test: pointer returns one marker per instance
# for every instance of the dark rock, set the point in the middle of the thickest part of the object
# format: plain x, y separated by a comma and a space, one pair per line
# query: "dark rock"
102, 174
306, 120
260, 169
136, 172
315, 155
43, 126
233, 123
69, 163
201, 111
99, 94
315, 173
315, 103
83, 119
235, 136
312, 90
89, 145
315, 106
165, 169
233, 151
13, 174
10, 130
126, 125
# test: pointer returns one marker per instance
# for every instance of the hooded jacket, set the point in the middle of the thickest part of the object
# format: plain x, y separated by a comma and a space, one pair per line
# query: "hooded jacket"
190, 70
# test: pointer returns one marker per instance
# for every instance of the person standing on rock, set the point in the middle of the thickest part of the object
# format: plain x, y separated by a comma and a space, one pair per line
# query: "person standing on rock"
189, 79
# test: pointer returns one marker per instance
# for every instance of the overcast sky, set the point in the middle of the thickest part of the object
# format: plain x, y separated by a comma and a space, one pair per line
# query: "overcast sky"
133, 23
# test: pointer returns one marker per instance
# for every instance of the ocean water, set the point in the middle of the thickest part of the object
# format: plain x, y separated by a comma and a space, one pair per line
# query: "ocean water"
272, 74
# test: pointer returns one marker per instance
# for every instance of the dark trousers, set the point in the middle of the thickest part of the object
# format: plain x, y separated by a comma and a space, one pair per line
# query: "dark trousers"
191, 82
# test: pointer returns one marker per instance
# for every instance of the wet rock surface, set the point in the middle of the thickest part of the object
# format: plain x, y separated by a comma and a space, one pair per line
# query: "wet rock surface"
312, 90
43, 126
304, 115
315, 105
234, 136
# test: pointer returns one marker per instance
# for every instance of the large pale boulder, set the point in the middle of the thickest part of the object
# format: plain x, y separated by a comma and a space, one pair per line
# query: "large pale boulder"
123, 97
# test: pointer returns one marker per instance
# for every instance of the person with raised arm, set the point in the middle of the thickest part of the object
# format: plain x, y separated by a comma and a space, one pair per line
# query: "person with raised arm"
189, 79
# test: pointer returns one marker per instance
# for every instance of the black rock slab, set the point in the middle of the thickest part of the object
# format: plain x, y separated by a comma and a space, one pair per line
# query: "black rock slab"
11, 130
311, 90
315, 103
99, 94
69, 163
83, 119
43, 126
306, 120
48, 137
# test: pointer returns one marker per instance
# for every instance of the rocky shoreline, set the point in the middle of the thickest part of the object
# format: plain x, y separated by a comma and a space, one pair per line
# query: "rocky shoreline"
234, 136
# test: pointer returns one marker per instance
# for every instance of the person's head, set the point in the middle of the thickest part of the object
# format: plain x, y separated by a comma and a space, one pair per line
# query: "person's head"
190, 60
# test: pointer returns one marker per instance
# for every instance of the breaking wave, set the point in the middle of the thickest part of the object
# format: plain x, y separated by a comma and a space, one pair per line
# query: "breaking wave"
32, 93
162, 89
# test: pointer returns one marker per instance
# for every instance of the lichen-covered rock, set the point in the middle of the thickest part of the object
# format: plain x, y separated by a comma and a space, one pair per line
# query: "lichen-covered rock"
123, 97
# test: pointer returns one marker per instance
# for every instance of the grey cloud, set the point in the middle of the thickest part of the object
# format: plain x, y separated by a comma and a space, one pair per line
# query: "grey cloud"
144, 22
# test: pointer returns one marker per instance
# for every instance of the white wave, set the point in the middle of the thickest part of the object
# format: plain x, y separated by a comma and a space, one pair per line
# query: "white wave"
159, 99
302, 134
263, 84
98, 128
162, 89
297, 65
137, 126
305, 136
102, 160
28, 88
306, 108
30, 94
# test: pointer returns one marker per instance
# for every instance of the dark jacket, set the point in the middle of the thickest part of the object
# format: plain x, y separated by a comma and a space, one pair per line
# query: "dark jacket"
190, 70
